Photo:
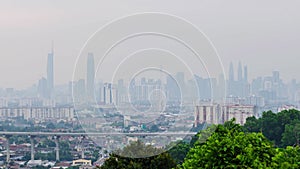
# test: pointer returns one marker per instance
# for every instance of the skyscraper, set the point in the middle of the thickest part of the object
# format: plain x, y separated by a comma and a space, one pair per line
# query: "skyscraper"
246, 74
231, 82
240, 72
180, 80
231, 73
42, 88
107, 93
50, 74
275, 76
172, 89
90, 77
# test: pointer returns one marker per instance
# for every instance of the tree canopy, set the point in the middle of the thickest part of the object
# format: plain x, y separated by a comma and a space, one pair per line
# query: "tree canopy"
282, 128
229, 147
271, 141
148, 158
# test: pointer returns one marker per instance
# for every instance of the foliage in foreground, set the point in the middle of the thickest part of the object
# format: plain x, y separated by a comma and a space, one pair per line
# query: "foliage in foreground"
222, 146
230, 147
282, 128
125, 158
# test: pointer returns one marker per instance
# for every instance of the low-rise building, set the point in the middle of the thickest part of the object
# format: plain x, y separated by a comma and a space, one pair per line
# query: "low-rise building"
38, 113
217, 114
82, 162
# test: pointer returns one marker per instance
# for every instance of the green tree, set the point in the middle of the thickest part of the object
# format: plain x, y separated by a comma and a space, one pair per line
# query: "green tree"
65, 151
287, 158
252, 124
50, 126
273, 125
229, 147
291, 135
154, 128
179, 150
148, 158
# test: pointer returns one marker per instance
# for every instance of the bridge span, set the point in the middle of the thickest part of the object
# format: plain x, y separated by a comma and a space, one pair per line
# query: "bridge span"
11, 133
56, 136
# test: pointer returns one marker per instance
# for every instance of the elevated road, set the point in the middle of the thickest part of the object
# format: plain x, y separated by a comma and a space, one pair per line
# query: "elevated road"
56, 136
97, 134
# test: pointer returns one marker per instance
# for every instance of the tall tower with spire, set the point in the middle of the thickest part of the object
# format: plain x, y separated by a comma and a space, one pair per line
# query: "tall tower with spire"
90, 76
240, 72
50, 73
245, 74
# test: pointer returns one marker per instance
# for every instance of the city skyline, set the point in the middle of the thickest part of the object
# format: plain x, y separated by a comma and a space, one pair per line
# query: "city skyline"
262, 90
149, 84
235, 71
50, 73
259, 35
50, 70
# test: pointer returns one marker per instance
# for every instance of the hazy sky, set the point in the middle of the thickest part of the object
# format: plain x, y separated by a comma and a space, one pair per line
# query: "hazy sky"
262, 34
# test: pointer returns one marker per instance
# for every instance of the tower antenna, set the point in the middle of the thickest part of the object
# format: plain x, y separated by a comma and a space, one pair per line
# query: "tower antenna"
52, 47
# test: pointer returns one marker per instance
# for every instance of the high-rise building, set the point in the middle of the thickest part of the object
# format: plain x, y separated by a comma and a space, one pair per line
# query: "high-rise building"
239, 87
240, 72
90, 77
246, 74
221, 90
172, 89
50, 74
218, 114
42, 88
275, 76
231, 82
239, 112
180, 80
205, 87
122, 91
107, 93
256, 85
79, 92
231, 72
207, 113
